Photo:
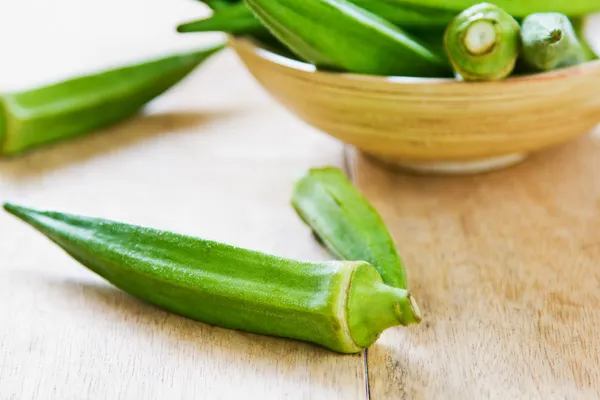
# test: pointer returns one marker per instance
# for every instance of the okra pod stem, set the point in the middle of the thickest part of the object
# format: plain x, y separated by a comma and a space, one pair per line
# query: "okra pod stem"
341, 305
73, 107
483, 43
550, 42
346, 223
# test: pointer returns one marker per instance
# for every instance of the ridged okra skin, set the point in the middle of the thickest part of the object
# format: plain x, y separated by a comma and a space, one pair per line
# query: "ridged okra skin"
550, 42
338, 35
343, 306
346, 223
237, 19
483, 43
517, 8
73, 107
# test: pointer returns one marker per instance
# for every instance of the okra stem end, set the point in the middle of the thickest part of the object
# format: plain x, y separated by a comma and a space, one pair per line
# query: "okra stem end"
409, 311
555, 36
374, 307
480, 37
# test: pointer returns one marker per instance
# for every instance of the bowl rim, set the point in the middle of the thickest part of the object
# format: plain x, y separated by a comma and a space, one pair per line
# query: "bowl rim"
252, 45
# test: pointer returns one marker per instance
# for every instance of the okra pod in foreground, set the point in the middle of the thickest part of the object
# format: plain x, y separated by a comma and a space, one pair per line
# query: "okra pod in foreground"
341, 305
338, 35
346, 223
76, 106
550, 42
483, 43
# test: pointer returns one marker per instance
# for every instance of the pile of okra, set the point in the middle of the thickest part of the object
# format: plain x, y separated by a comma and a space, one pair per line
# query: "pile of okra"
432, 38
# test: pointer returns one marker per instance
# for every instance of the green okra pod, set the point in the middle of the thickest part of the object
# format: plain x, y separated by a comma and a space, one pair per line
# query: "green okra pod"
483, 43
341, 305
550, 42
517, 8
579, 25
62, 110
237, 19
346, 223
338, 35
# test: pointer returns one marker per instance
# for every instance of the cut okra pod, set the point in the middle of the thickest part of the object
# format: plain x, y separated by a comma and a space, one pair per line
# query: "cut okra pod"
550, 42
62, 110
483, 43
346, 223
341, 305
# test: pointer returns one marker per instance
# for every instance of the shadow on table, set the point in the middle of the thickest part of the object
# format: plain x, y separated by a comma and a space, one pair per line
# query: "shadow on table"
75, 150
246, 351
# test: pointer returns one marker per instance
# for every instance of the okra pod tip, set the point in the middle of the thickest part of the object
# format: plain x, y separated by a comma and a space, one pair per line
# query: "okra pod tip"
550, 42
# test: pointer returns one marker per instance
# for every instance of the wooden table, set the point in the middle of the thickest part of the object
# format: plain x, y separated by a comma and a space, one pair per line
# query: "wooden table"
505, 265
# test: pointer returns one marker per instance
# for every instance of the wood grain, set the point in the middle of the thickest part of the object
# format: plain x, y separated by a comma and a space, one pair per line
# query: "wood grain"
215, 157
505, 268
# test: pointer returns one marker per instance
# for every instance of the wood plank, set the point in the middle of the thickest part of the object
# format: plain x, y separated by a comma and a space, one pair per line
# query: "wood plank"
215, 157
505, 267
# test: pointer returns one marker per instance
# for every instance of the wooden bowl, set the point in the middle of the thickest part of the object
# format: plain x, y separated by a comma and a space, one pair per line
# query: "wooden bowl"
434, 125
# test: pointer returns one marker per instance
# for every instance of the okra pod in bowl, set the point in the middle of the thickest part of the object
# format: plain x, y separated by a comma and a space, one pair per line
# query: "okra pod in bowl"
434, 124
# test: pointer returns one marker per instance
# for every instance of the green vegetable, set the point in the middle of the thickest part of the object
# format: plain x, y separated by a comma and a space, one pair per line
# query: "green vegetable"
483, 43
517, 8
550, 42
338, 35
345, 222
76, 106
579, 27
341, 305
237, 19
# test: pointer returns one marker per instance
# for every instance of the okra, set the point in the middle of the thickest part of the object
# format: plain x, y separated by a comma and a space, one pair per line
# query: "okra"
549, 42
346, 223
579, 25
237, 19
341, 305
218, 4
483, 43
338, 35
72, 107
517, 8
